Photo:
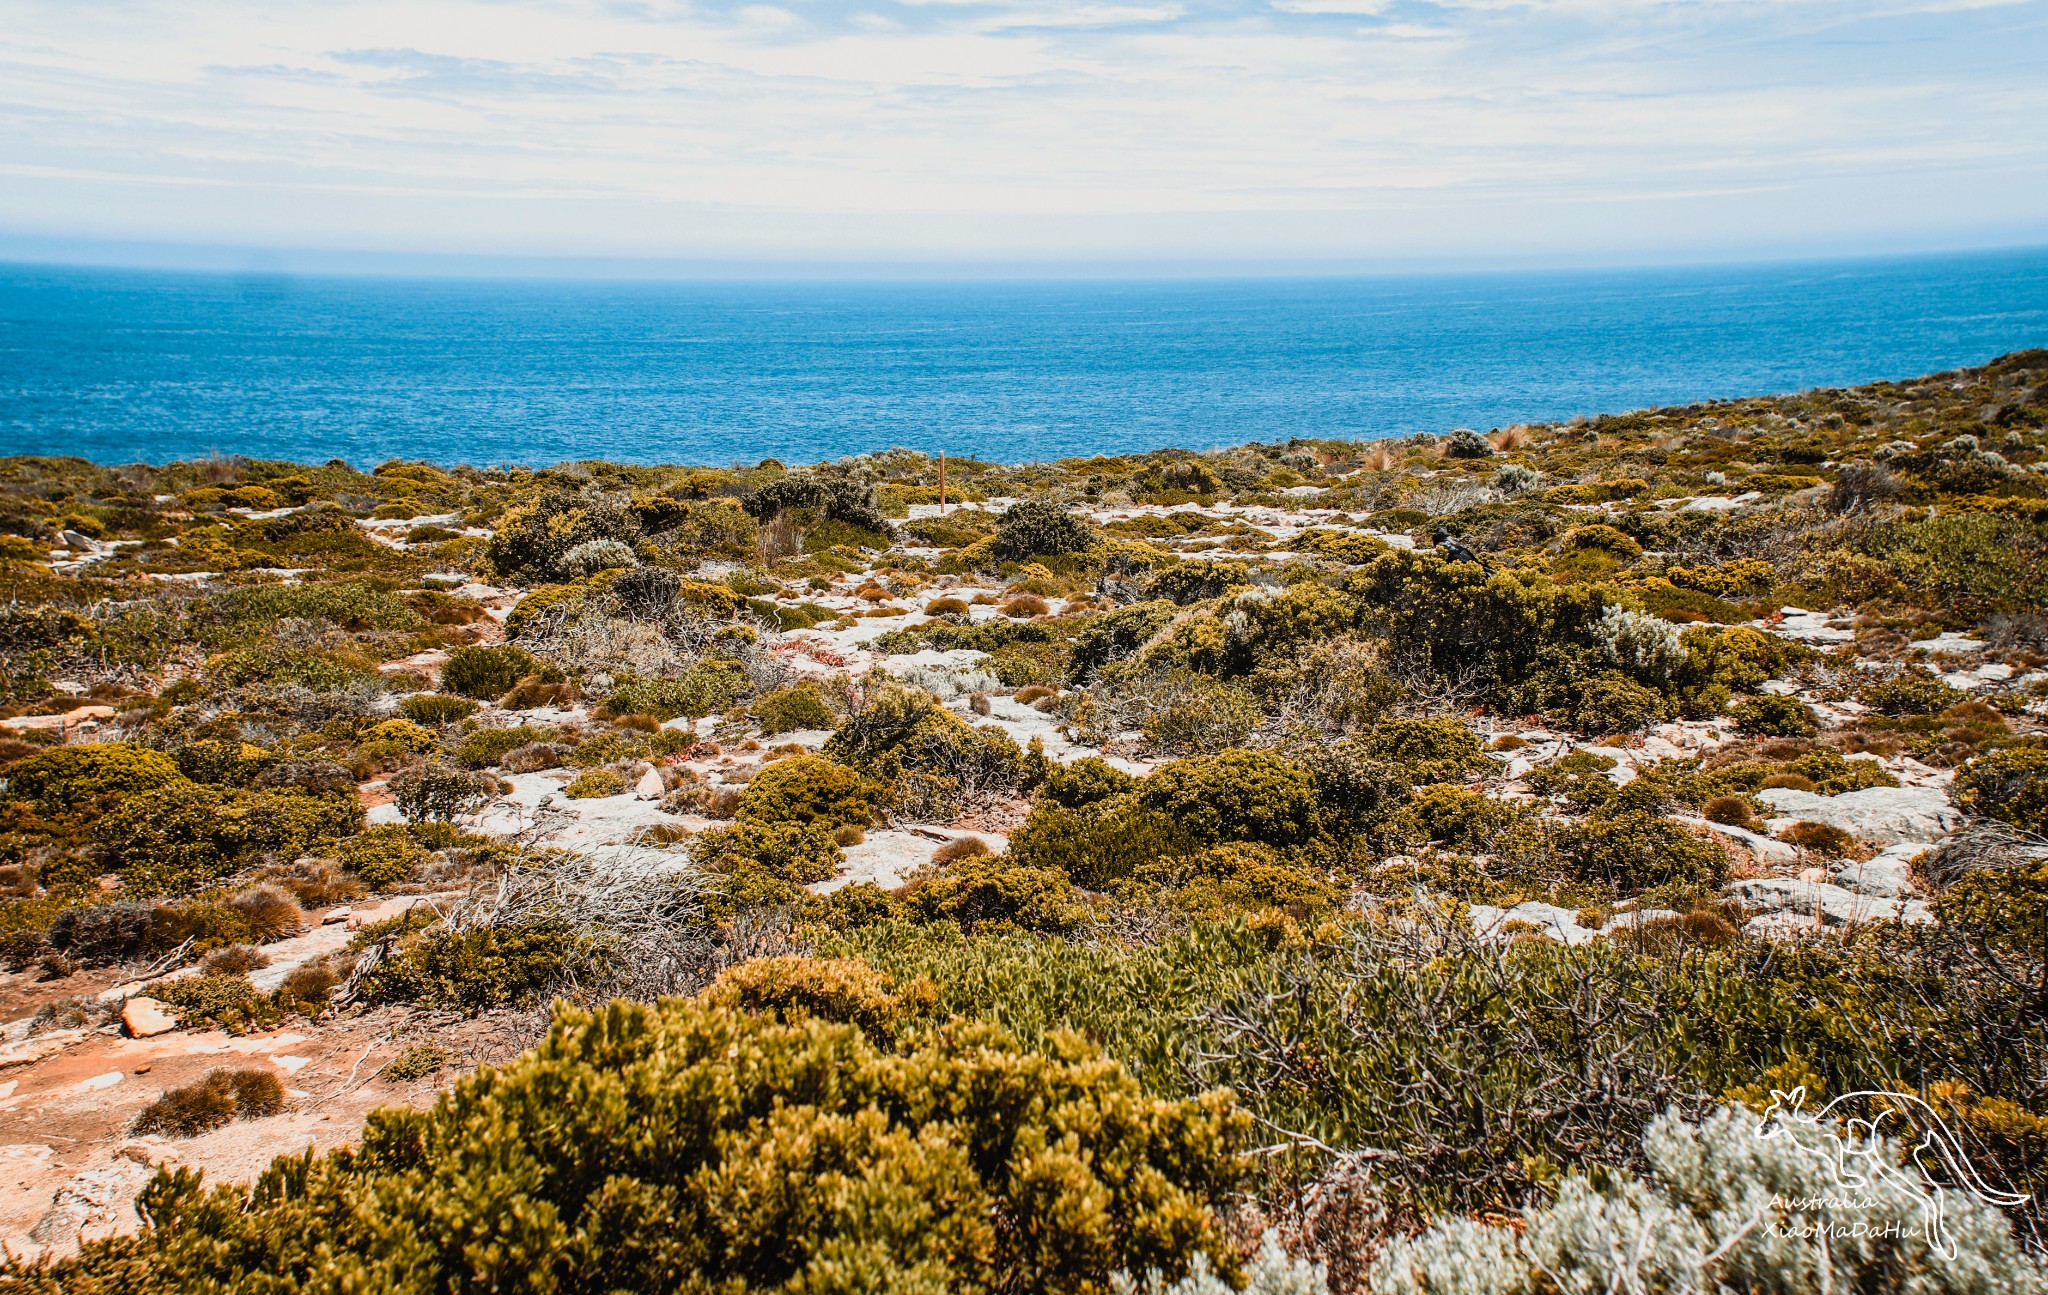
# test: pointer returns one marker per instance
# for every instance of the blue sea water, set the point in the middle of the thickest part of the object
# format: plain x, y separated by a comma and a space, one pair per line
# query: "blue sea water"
121, 366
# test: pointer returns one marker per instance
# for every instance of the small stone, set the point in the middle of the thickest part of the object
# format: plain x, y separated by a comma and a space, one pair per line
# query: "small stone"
334, 915
649, 787
146, 1018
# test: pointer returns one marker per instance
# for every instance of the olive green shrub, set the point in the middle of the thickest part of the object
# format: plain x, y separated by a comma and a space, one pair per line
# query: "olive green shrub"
811, 789
1235, 796
1099, 841
2009, 784
800, 706
178, 837
1773, 716
984, 893
87, 776
791, 851
487, 673
703, 1148
382, 856
1037, 528
930, 757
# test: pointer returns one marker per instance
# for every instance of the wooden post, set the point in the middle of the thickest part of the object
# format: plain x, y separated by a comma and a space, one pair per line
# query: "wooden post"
942, 483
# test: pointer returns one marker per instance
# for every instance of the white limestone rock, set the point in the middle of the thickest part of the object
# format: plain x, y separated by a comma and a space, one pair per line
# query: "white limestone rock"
1877, 815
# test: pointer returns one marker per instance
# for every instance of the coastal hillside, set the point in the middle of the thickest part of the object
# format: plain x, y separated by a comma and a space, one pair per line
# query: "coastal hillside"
1495, 861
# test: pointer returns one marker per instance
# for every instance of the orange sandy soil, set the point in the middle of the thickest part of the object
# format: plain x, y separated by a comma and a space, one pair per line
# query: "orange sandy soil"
68, 1097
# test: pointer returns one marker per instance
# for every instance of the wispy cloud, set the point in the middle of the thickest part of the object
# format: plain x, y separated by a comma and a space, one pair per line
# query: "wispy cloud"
1015, 127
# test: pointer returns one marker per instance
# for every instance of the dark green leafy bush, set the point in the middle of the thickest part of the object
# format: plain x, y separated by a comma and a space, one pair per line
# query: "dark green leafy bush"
1036, 528
1114, 635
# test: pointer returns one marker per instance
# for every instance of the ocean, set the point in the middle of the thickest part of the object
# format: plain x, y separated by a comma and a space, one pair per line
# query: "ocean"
123, 366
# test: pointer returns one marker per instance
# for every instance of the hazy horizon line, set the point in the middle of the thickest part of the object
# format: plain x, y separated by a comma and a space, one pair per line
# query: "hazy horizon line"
316, 262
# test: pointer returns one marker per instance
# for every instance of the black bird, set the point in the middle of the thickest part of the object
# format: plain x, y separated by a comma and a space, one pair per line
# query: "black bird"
1448, 543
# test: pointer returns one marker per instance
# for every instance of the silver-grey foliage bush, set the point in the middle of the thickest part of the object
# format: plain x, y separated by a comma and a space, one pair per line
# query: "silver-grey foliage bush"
1726, 1210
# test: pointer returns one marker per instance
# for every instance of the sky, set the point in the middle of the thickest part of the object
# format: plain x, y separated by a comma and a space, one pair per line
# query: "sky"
1018, 132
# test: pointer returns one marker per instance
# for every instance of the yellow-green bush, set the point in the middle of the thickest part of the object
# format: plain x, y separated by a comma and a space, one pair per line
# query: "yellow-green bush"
2010, 784
763, 1156
1235, 796
595, 784
927, 754
800, 706
1097, 842
85, 776
177, 837
811, 789
845, 990
486, 673
999, 893
799, 853
382, 856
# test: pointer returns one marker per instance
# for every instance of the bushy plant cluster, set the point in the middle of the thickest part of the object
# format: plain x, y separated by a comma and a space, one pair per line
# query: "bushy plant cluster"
961, 1161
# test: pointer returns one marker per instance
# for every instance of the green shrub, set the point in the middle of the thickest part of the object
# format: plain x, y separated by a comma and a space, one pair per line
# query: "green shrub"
763, 1156
1195, 580
488, 746
230, 1002
382, 856
1238, 878
1609, 702
470, 971
1189, 713
1773, 716
999, 894
1084, 782
2009, 784
416, 1062
930, 756
799, 853
1634, 850
1235, 796
487, 673
1098, 843
705, 687
1457, 818
217, 760
439, 792
178, 837
436, 708
1605, 539
843, 990
1425, 750
595, 784
1114, 635
532, 541
810, 789
1034, 528
787, 710
88, 776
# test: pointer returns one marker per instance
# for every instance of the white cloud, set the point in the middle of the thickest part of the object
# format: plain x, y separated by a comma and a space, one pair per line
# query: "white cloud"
1256, 128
